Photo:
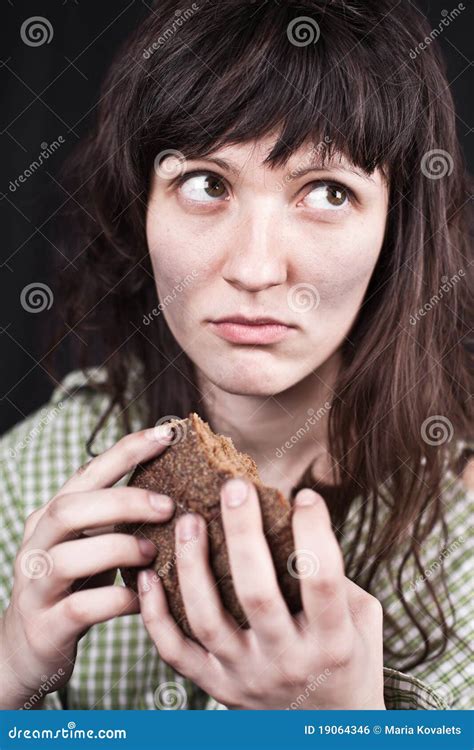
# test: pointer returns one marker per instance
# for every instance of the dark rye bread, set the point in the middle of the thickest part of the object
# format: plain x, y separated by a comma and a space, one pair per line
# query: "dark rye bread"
191, 471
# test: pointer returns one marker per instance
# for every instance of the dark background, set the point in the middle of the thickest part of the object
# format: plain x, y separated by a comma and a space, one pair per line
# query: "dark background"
51, 90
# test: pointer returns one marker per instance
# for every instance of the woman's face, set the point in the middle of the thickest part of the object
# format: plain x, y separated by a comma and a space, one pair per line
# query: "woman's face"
246, 240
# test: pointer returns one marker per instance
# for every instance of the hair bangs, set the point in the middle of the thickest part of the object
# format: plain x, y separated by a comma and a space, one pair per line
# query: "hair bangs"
328, 92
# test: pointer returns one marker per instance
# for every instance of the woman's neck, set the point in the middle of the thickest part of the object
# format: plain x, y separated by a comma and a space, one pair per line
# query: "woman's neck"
283, 433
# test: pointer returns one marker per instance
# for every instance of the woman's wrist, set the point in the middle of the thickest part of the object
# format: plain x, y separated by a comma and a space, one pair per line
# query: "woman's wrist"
14, 694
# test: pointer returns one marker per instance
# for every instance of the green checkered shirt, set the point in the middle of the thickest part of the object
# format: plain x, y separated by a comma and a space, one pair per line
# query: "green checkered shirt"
117, 665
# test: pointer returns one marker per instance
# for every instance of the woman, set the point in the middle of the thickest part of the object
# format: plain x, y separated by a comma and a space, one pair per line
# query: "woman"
268, 228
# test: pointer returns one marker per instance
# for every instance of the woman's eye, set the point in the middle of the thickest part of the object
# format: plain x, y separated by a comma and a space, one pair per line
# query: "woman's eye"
328, 196
203, 188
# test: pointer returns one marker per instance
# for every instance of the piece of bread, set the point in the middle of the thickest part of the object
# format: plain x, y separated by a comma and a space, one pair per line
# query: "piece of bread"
191, 471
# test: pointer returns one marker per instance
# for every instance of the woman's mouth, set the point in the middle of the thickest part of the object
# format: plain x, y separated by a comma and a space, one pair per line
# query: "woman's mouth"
251, 332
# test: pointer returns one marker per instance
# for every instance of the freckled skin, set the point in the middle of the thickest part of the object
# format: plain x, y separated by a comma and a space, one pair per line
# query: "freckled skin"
251, 245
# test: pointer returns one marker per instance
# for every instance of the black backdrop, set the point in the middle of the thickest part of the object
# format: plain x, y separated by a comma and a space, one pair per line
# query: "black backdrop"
48, 96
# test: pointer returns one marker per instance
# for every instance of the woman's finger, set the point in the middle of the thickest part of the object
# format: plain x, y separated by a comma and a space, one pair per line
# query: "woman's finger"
212, 625
114, 463
319, 566
251, 565
81, 610
110, 466
184, 655
69, 514
84, 558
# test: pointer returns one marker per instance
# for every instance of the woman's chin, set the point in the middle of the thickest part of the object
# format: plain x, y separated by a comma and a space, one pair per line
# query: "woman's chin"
254, 383
252, 389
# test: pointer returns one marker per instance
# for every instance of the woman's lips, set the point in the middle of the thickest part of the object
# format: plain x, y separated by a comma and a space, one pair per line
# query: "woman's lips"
242, 333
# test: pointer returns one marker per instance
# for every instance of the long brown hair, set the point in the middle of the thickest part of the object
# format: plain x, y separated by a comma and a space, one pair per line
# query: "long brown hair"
230, 72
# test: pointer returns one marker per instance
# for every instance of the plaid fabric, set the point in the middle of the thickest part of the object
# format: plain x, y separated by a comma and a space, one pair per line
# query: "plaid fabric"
117, 664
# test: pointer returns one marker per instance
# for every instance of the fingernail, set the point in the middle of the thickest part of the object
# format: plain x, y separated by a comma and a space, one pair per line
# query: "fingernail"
161, 433
160, 502
236, 491
145, 578
305, 497
147, 547
188, 527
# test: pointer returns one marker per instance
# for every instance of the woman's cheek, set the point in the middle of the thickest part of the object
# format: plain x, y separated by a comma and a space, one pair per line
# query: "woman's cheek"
344, 290
175, 288
343, 269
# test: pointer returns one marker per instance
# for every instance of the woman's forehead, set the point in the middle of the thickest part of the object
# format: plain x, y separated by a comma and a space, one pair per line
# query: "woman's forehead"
311, 155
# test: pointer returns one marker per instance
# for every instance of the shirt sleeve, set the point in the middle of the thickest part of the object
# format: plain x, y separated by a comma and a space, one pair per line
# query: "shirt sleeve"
405, 692
53, 702
213, 705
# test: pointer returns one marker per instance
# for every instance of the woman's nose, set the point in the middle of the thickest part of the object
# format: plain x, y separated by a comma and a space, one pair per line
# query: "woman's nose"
253, 255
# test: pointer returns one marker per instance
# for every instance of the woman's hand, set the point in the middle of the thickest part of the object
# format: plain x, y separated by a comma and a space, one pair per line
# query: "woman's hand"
327, 657
61, 574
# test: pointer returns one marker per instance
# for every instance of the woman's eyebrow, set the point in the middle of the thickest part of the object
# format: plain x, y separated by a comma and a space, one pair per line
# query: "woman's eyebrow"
292, 174
229, 166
